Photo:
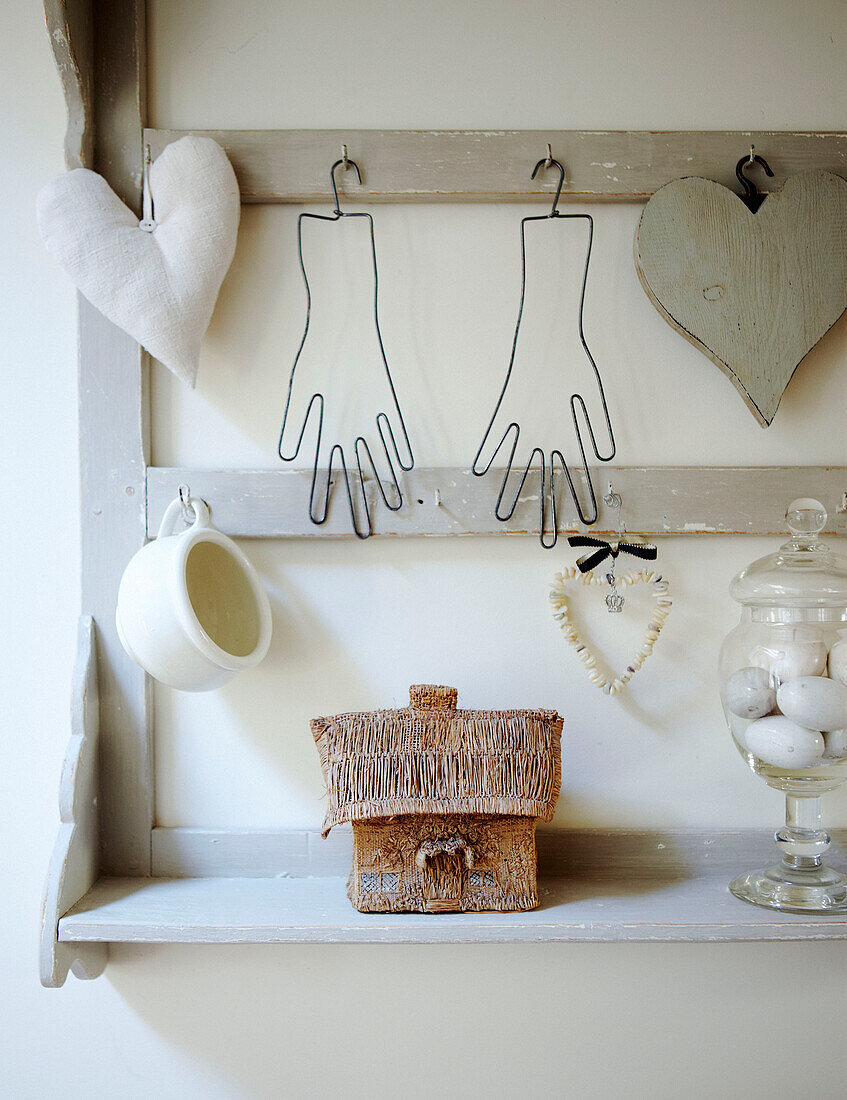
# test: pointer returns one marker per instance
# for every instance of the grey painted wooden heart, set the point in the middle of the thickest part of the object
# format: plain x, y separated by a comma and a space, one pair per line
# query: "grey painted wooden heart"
754, 292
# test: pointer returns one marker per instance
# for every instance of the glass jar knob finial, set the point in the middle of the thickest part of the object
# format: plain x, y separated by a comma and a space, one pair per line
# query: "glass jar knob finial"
805, 517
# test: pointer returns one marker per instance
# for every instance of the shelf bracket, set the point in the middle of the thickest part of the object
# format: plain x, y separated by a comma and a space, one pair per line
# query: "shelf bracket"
74, 863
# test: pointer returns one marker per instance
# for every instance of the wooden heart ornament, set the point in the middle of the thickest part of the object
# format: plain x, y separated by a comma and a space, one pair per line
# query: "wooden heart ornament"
559, 597
754, 292
159, 285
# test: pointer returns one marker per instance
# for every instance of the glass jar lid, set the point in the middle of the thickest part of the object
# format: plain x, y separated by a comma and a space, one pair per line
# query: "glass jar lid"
804, 572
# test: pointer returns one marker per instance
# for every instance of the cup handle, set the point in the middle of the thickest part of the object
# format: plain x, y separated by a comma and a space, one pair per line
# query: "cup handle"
174, 509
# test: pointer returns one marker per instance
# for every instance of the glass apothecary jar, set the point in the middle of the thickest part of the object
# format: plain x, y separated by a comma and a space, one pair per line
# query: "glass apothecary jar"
783, 678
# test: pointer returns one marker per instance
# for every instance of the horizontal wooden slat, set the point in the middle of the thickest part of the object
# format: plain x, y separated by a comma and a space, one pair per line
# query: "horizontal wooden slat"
658, 500
316, 910
495, 165
288, 886
621, 854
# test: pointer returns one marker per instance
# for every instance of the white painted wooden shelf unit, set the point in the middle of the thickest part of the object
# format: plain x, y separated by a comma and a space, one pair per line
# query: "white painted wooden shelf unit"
113, 875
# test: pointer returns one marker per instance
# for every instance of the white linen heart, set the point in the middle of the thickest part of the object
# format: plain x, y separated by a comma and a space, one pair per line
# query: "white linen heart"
159, 286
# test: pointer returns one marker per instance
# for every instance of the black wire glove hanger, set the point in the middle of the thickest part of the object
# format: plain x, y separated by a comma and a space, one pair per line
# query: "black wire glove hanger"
576, 401
318, 399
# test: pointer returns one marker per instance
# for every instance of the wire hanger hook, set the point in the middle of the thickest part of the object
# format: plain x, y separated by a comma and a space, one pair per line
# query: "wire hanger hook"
548, 162
345, 160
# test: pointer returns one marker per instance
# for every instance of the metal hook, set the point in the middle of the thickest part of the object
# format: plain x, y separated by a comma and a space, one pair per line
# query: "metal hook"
752, 197
612, 499
347, 164
188, 513
547, 163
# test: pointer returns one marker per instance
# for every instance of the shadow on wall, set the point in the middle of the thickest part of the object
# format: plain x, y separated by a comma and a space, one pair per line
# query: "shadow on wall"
305, 660
356, 624
310, 1022
447, 329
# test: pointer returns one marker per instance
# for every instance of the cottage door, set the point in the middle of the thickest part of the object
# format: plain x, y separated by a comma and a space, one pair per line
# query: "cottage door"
444, 864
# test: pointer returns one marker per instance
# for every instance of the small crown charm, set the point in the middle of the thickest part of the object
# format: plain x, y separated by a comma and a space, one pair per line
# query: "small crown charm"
614, 602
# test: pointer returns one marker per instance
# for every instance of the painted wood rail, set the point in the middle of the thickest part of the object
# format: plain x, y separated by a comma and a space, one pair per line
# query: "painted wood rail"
495, 165
316, 910
100, 53
75, 859
624, 855
672, 500
288, 886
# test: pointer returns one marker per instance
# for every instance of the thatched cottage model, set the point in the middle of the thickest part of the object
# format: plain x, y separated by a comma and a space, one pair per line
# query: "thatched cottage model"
443, 802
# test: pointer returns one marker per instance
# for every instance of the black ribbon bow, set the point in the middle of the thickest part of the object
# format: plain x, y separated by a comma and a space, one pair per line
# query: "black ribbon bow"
605, 550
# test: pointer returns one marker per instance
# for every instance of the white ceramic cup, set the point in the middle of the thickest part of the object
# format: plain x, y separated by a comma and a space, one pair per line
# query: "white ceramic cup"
191, 609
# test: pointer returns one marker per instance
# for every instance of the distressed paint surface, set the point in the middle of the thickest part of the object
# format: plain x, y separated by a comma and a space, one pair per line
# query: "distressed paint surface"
495, 165
582, 853
316, 910
663, 500
753, 291
74, 863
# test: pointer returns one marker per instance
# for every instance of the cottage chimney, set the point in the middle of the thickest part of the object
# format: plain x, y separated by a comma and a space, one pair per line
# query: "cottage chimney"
432, 697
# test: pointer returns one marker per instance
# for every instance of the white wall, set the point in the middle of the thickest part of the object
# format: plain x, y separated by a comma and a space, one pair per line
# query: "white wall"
474, 613
581, 1021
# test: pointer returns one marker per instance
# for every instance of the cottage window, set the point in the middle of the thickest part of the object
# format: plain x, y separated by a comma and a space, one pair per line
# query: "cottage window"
481, 879
372, 882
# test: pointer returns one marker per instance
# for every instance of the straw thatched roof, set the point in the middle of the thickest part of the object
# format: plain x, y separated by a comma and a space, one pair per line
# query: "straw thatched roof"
432, 758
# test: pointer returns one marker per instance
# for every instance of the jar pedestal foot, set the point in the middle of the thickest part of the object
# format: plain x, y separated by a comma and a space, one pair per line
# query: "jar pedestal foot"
816, 890
800, 883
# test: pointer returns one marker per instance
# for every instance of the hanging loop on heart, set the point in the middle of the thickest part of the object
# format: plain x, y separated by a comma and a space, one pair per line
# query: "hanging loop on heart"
148, 222
752, 196
606, 549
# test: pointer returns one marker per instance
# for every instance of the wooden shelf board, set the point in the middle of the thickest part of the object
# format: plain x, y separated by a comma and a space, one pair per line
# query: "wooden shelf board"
660, 500
316, 910
496, 165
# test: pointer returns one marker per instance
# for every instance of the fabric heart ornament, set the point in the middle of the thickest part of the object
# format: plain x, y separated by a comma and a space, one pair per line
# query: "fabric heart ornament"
753, 291
559, 599
159, 286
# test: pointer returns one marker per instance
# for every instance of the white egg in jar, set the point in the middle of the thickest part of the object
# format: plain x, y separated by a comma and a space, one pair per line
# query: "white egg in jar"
793, 651
814, 701
837, 660
836, 745
751, 692
783, 743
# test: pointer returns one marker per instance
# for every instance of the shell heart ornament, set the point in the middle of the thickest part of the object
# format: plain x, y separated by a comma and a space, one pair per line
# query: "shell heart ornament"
610, 685
753, 291
158, 278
